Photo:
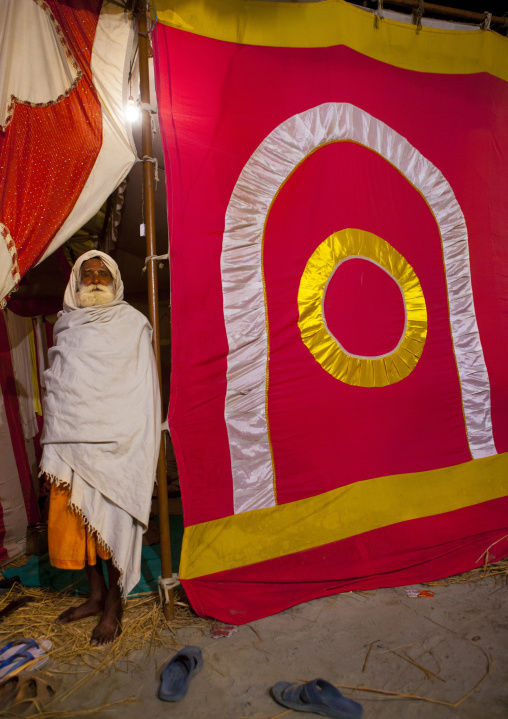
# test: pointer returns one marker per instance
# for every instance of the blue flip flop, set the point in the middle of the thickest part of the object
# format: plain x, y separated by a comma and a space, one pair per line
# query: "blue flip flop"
317, 696
178, 672
19, 652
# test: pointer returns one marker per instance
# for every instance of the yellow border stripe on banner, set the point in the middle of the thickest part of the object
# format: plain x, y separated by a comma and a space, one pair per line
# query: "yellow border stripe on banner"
264, 534
336, 22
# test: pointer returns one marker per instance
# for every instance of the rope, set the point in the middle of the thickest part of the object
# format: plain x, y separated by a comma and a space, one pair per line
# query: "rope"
149, 108
156, 257
155, 163
159, 258
486, 23
166, 584
154, 22
418, 14
379, 13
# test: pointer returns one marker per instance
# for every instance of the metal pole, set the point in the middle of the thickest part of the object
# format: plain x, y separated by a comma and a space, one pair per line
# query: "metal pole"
148, 183
450, 12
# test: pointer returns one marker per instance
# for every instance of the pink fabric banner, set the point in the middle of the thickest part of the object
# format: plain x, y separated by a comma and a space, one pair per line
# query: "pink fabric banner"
260, 426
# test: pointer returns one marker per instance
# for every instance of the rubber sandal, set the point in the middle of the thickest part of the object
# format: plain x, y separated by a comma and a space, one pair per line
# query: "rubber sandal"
18, 694
8, 689
20, 652
317, 696
177, 674
33, 692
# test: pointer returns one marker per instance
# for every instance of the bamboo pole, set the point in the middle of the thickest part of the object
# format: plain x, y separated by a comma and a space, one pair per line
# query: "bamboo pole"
451, 12
148, 182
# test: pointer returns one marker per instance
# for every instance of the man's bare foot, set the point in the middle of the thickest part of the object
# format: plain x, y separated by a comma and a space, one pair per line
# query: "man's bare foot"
96, 601
110, 625
90, 608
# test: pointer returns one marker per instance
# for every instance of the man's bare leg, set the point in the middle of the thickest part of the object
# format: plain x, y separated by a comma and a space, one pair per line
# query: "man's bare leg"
110, 624
95, 602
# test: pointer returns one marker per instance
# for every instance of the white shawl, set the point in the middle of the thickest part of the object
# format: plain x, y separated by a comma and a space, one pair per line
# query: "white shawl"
102, 416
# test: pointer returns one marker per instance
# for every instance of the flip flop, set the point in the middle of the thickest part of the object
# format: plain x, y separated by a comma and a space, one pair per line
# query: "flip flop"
15, 654
18, 694
317, 696
8, 689
177, 674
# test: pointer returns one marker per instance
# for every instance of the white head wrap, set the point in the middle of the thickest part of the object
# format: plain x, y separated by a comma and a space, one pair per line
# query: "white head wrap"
70, 300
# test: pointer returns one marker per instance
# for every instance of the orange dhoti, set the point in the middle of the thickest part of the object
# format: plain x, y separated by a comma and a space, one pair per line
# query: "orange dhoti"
70, 541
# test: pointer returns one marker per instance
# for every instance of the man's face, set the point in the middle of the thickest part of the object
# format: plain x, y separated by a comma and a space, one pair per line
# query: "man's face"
96, 286
94, 271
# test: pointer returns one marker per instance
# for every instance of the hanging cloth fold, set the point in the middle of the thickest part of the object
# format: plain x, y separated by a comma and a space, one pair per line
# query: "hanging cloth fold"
20, 338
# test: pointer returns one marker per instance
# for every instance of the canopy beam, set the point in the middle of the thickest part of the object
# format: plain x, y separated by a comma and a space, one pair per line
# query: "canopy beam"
449, 12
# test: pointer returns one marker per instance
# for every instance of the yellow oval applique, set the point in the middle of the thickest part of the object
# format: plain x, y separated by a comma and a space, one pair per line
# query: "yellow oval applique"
324, 347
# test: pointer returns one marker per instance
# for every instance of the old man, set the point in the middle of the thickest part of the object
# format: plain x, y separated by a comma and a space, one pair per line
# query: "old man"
101, 439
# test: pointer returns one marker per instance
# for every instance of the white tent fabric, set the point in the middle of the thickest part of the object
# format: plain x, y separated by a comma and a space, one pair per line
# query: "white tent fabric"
11, 495
7, 251
34, 66
19, 329
110, 59
111, 54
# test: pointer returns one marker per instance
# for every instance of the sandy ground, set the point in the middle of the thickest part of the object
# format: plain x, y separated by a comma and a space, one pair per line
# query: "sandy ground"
450, 650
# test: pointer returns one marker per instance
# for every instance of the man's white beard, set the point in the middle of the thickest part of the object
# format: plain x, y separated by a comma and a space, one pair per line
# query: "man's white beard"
92, 295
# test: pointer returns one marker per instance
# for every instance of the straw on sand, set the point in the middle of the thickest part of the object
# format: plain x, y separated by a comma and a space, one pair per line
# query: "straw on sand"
497, 570
143, 627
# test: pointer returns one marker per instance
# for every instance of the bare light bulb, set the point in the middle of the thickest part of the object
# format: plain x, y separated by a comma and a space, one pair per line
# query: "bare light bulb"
132, 111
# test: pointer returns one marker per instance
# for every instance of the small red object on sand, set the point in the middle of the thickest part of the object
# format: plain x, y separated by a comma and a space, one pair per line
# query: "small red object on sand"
419, 593
225, 631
